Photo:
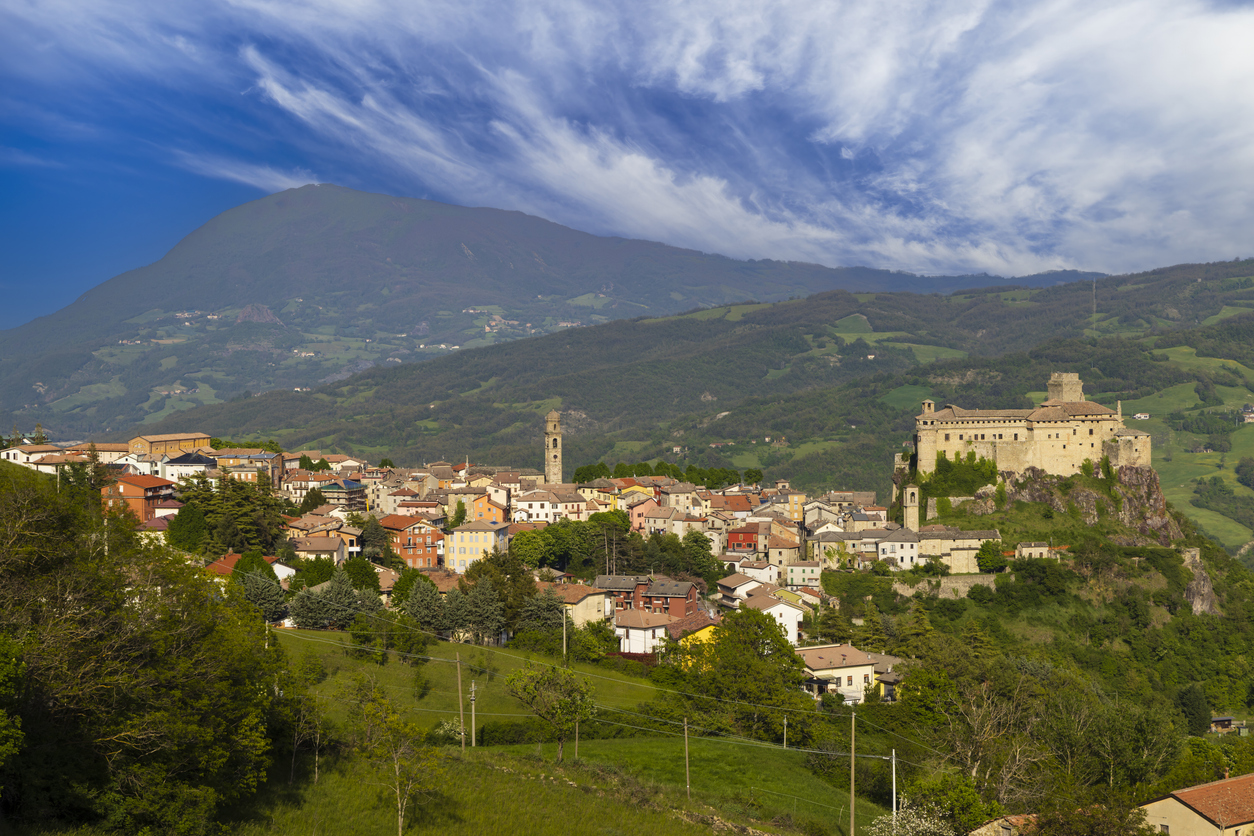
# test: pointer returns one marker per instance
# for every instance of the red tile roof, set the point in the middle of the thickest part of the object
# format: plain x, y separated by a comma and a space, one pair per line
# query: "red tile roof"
225, 564
146, 481
570, 593
1229, 802
401, 521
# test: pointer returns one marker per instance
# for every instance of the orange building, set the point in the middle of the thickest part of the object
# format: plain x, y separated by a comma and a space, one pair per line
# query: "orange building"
138, 495
485, 508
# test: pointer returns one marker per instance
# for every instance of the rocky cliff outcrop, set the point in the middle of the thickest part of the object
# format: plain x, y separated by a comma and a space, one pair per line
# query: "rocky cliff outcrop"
1200, 593
258, 313
1136, 499
1143, 505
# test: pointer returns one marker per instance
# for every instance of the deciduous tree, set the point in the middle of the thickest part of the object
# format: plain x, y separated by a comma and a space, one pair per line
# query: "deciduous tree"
405, 766
556, 695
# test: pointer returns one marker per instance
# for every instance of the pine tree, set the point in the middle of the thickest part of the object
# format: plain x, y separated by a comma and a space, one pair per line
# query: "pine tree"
455, 615
341, 599
361, 572
485, 614
870, 636
977, 641
187, 529
426, 606
309, 610
542, 612
265, 594
916, 629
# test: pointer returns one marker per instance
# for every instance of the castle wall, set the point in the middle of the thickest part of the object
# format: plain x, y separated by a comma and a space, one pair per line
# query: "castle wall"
1059, 447
1128, 451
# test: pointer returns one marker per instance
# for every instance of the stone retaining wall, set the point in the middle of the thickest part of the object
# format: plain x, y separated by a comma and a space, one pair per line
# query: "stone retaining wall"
950, 586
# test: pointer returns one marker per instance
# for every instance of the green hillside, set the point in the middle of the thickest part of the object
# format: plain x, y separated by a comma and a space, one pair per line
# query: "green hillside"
138, 695
831, 374
312, 284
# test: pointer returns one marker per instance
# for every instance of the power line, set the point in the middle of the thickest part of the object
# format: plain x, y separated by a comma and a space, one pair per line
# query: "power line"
619, 681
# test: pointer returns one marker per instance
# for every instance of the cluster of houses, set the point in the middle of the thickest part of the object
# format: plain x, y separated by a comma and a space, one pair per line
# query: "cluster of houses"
763, 536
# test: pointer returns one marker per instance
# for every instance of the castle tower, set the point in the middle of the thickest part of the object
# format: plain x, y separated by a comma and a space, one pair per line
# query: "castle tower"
1065, 386
910, 504
553, 448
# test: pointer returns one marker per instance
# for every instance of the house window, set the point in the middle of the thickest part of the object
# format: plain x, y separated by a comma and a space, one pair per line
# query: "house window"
866, 679
850, 681
1162, 828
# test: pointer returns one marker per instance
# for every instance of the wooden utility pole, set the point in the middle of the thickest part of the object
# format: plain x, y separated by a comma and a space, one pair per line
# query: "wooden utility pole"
472, 714
565, 661
785, 731
853, 729
461, 708
687, 774
894, 791
576, 740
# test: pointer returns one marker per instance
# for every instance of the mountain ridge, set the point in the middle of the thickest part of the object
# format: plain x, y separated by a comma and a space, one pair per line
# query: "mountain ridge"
359, 279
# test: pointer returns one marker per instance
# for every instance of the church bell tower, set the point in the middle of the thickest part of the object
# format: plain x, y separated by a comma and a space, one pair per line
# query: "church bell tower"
910, 505
553, 448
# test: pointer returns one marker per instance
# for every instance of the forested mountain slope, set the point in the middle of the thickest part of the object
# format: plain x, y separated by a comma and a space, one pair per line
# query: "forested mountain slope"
315, 283
717, 386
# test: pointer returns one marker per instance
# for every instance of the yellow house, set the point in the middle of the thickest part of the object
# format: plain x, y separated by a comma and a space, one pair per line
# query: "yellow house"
697, 628
640, 489
1220, 808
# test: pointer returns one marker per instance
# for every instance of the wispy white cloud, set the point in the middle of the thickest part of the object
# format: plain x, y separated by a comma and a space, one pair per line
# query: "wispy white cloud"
260, 176
18, 157
931, 136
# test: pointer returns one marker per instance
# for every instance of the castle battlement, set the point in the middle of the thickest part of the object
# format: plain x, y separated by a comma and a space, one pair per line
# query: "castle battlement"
1056, 436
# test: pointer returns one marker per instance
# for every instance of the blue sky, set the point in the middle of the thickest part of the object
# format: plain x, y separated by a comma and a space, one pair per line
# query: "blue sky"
924, 136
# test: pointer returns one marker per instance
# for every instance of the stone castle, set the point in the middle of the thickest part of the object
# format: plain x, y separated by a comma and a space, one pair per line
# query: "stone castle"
1056, 436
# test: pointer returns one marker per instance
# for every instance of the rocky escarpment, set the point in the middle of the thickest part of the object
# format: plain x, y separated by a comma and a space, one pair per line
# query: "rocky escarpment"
258, 313
1144, 507
1135, 499
1200, 593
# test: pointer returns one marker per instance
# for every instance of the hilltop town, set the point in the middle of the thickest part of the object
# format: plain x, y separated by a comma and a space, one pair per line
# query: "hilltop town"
771, 544
649, 565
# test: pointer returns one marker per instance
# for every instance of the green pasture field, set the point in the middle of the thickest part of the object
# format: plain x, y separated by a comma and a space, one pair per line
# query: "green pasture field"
90, 394
590, 300
907, 397
1225, 312
853, 324
1172, 399
487, 666
1186, 357
777, 781
928, 353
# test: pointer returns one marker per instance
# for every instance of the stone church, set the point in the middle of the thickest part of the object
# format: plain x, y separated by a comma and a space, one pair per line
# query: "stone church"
1056, 436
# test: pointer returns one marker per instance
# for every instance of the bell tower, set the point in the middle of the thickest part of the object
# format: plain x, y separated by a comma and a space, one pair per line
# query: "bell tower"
910, 505
553, 448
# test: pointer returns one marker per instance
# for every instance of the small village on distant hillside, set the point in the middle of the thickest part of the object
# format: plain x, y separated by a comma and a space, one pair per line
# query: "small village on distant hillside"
745, 546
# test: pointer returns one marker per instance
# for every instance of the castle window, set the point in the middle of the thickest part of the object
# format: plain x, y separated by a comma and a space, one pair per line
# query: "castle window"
1090, 430
960, 436
946, 436
1016, 436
